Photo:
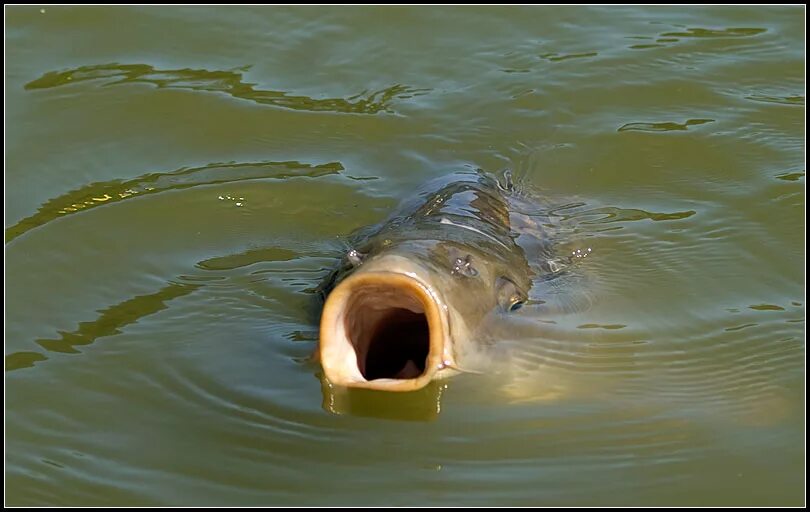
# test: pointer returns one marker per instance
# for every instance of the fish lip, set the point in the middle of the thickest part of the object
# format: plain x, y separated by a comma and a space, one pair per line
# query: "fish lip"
337, 353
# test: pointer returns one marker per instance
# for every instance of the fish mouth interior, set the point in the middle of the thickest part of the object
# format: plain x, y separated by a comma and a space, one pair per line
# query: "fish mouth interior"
389, 333
381, 331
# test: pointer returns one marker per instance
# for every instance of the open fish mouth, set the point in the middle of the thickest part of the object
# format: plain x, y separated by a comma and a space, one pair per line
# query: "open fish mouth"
383, 330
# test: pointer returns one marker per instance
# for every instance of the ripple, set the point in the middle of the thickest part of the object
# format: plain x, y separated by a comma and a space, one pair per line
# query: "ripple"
670, 39
303, 336
790, 176
767, 307
193, 386
663, 127
18, 360
729, 374
601, 326
250, 257
228, 82
109, 323
609, 214
715, 33
797, 100
645, 46
113, 191
740, 327
555, 57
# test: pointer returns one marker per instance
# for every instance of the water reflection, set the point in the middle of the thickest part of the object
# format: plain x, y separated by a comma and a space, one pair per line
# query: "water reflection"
113, 191
109, 323
663, 127
229, 82
422, 405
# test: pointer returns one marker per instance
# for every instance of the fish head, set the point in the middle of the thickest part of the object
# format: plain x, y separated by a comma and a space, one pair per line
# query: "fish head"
407, 314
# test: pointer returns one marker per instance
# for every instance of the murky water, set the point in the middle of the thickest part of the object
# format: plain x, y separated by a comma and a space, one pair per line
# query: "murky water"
178, 181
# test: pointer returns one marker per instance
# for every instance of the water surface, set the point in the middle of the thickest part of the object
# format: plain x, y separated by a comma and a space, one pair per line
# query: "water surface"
178, 180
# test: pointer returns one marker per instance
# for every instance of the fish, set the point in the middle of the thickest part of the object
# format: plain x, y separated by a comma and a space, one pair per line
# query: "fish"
410, 299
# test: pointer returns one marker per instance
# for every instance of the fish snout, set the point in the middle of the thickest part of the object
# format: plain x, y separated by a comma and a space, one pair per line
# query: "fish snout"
383, 330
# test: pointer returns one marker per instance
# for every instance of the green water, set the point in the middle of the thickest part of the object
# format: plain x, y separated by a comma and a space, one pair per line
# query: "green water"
178, 180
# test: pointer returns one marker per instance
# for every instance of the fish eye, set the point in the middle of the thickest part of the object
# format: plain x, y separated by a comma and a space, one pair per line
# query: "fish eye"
509, 296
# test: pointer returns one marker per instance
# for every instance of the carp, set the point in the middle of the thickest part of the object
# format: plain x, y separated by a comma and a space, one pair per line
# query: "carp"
406, 304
